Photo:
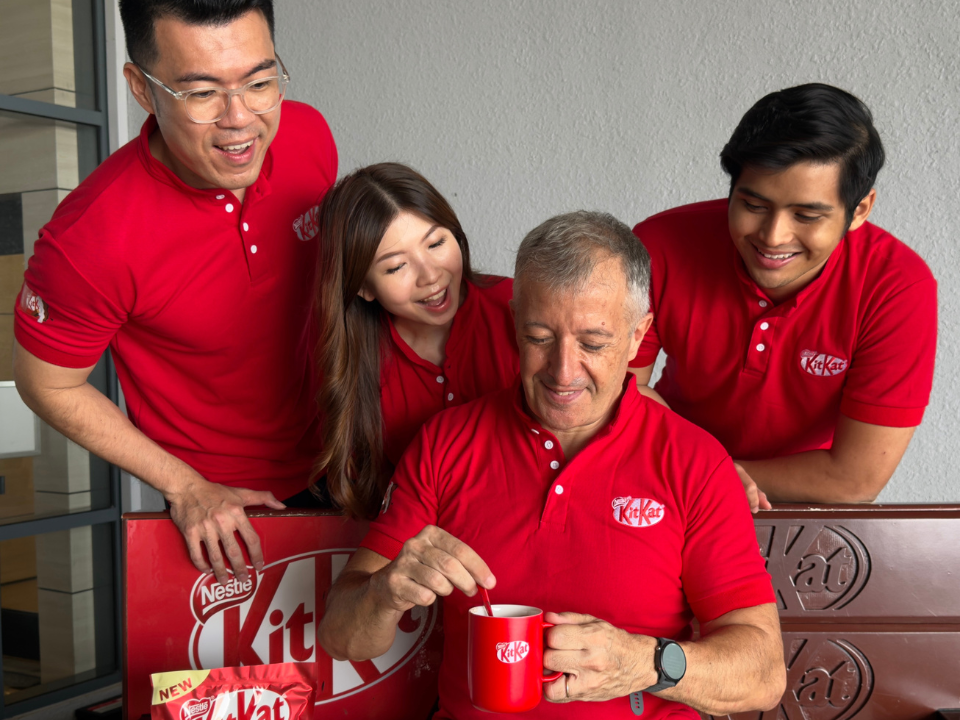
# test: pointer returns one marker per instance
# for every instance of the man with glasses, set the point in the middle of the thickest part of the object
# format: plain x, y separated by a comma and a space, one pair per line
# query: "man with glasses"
190, 253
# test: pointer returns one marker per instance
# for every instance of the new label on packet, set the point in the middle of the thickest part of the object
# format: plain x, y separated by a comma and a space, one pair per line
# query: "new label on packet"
282, 691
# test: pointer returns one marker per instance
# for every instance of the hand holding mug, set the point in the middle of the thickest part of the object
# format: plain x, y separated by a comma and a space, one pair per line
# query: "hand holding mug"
431, 563
600, 661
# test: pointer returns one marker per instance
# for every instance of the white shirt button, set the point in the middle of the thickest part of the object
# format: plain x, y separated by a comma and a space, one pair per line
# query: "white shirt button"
220, 197
228, 207
449, 396
548, 444
246, 227
253, 249
763, 303
554, 464
534, 431
558, 489
764, 325
439, 378
761, 347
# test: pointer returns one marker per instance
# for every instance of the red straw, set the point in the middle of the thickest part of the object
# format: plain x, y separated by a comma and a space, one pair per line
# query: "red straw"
485, 596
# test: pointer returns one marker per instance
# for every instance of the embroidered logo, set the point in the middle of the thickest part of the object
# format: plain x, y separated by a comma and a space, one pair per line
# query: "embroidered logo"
33, 304
308, 225
512, 652
818, 363
637, 512
387, 496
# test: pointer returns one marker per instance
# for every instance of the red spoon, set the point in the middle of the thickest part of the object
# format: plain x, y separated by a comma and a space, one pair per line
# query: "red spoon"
485, 596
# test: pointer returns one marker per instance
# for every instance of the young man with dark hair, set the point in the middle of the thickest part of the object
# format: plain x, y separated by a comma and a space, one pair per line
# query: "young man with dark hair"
806, 345
190, 252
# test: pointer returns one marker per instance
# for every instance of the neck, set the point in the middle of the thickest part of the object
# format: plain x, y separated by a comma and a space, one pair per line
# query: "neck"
161, 153
427, 341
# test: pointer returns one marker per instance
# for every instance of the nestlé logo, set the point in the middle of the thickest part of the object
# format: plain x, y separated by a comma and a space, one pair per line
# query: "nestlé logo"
209, 596
637, 512
195, 709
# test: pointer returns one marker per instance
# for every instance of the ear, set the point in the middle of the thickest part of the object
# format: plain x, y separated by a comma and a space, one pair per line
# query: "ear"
863, 210
645, 322
365, 293
138, 86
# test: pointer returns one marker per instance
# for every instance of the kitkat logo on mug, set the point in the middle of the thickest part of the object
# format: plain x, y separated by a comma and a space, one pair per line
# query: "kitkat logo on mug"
512, 652
209, 596
637, 512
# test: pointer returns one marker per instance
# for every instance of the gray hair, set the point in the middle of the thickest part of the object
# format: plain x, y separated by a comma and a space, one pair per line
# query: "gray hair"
563, 251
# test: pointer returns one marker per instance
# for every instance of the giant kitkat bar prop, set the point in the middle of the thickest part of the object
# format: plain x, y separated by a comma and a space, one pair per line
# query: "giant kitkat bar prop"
177, 618
869, 602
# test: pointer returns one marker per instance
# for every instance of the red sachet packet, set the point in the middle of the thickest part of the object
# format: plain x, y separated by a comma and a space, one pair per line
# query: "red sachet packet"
282, 691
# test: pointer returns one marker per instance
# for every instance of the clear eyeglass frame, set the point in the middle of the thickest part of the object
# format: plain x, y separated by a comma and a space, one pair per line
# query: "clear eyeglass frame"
283, 79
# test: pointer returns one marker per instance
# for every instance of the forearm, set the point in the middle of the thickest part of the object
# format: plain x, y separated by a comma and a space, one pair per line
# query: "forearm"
735, 669
355, 626
813, 476
91, 420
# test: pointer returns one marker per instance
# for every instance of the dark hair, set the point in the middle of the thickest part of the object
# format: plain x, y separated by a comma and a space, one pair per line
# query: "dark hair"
354, 334
139, 17
813, 122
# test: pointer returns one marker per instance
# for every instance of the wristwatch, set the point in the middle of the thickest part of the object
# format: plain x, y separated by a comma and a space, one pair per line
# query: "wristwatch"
670, 663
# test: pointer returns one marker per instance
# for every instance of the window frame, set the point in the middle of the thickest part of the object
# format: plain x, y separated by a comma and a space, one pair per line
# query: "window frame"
106, 383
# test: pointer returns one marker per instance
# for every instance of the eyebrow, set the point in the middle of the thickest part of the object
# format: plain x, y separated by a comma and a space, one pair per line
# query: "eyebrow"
818, 206
202, 77
589, 331
400, 252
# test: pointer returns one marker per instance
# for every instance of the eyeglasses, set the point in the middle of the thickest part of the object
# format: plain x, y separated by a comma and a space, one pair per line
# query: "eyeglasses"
210, 104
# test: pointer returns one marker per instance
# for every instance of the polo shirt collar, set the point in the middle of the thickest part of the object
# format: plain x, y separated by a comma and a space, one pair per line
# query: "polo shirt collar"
160, 172
627, 406
461, 322
820, 281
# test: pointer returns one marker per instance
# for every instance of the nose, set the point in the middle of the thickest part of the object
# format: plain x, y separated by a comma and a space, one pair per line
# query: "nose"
428, 272
775, 230
564, 363
237, 114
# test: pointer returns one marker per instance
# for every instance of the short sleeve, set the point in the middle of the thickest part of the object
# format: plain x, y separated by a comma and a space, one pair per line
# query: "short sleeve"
891, 373
60, 316
722, 566
650, 346
411, 501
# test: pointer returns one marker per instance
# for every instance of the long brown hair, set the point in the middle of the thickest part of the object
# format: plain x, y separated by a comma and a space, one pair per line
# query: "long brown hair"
354, 334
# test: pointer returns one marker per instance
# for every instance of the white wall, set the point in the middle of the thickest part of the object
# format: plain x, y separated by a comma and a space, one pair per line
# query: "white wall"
519, 110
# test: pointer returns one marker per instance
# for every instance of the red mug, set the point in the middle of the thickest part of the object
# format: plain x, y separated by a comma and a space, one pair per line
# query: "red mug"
505, 658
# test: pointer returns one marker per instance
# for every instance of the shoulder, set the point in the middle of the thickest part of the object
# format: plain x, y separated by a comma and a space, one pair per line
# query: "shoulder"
458, 425
493, 289
700, 223
304, 135
884, 259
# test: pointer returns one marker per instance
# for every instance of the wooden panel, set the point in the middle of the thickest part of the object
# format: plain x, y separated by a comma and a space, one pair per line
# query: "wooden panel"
11, 278
18, 560
6, 347
20, 596
18, 498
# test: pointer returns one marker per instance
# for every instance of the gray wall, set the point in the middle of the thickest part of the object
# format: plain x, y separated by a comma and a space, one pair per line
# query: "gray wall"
519, 110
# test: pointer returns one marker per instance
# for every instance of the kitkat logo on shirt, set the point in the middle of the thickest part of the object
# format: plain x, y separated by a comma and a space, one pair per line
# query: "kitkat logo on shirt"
307, 225
33, 304
637, 512
822, 364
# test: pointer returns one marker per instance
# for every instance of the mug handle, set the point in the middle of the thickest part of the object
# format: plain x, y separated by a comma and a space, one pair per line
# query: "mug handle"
556, 675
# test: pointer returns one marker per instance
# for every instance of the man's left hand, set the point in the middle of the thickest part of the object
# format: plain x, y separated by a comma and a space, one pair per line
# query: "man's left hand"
600, 661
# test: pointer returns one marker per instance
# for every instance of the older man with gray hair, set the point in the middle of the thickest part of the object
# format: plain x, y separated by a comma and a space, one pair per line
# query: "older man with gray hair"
571, 491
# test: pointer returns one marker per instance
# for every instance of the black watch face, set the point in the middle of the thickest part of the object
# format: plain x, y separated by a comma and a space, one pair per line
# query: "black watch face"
673, 661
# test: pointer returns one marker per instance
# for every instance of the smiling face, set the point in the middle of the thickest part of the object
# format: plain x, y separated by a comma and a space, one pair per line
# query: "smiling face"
416, 272
574, 348
785, 223
228, 153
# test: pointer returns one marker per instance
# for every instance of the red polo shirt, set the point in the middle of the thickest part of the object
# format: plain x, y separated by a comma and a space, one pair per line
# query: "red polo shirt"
646, 527
204, 302
771, 380
481, 357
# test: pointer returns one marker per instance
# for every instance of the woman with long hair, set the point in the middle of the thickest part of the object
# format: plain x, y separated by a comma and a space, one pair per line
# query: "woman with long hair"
406, 328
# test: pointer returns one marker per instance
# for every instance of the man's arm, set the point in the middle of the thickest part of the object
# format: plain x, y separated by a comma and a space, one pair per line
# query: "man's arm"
735, 666
372, 593
643, 383
855, 470
203, 511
